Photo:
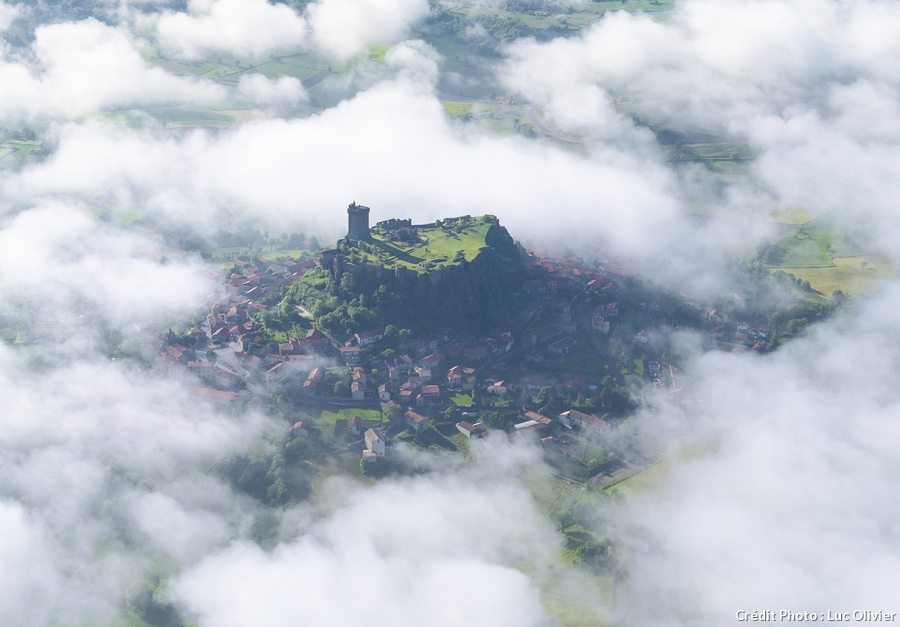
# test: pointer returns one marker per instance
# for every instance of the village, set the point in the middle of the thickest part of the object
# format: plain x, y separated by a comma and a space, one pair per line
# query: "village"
564, 370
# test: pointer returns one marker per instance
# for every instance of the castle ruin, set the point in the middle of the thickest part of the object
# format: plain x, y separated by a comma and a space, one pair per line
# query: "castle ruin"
357, 222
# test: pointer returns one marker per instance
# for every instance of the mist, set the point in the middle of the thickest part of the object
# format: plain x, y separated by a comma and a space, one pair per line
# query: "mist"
778, 484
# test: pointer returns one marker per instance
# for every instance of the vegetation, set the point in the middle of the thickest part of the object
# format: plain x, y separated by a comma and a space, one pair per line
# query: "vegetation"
436, 247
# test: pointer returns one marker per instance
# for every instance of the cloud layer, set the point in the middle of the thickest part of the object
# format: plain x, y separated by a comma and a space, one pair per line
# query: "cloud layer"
103, 467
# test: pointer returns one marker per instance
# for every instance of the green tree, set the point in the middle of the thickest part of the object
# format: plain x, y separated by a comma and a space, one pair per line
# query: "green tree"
342, 388
393, 411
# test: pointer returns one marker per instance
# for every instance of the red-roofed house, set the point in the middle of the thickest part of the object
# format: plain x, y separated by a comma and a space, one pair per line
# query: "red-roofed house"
368, 337
299, 430
471, 431
416, 420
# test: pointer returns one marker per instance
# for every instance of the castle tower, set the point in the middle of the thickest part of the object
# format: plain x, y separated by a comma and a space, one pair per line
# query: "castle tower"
358, 222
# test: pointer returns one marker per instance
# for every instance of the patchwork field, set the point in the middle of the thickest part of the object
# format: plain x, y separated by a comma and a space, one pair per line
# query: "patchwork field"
851, 275
830, 258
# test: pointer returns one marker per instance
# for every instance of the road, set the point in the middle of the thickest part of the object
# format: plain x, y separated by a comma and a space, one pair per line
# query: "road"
528, 112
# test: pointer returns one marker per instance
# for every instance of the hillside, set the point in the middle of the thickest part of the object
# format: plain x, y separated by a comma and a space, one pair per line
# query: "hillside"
458, 273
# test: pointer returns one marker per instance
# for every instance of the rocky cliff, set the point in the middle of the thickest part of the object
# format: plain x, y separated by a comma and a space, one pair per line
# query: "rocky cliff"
471, 294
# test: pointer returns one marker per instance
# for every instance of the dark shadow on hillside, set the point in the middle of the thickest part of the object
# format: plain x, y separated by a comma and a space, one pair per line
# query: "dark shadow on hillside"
396, 252
775, 255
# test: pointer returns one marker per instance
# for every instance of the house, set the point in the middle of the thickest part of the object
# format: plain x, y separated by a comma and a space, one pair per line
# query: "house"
536, 425
498, 389
350, 354
358, 390
416, 421
459, 377
469, 430
203, 369
424, 374
224, 377
368, 337
600, 325
455, 377
374, 443
289, 348
589, 423
562, 347
476, 353
313, 380
535, 357
431, 361
715, 316
384, 392
354, 425
276, 375
642, 337
431, 391
299, 430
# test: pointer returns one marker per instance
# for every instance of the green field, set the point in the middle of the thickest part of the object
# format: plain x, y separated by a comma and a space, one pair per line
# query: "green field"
456, 109
15, 152
813, 244
829, 257
436, 248
463, 400
328, 418
185, 116
851, 275
644, 480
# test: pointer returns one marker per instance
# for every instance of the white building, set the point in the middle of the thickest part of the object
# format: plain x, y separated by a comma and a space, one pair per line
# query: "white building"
276, 375
589, 423
374, 443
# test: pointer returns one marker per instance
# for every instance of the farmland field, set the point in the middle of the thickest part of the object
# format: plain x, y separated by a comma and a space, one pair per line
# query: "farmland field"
643, 480
829, 257
813, 244
456, 109
851, 275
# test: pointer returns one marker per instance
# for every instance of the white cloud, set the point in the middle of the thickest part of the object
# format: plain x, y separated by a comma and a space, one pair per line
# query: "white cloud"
86, 66
345, 27
426, 551
56, 253
793, 505
391, 147
283, 91
8, 13
243, 27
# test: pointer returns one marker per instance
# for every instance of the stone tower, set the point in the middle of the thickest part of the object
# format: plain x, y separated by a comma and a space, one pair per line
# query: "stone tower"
358, 222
